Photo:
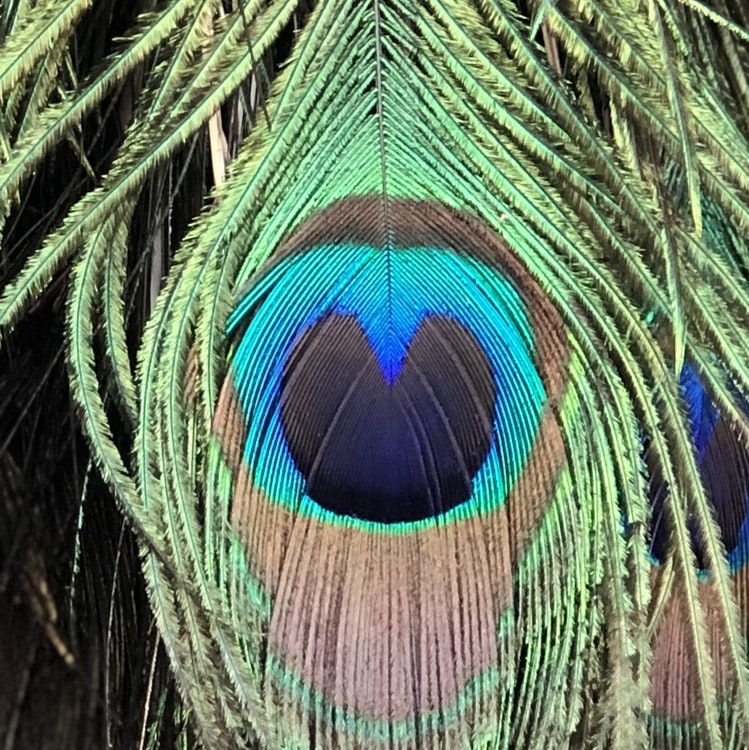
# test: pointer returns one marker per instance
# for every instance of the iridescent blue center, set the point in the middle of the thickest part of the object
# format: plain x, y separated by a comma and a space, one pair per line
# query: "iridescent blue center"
390, 295
724, 470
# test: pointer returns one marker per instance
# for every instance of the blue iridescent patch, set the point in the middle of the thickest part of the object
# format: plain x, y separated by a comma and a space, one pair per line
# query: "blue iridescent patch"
391, 294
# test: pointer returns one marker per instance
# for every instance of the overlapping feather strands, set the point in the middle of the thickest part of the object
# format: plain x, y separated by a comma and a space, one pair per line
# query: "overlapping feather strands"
436, 433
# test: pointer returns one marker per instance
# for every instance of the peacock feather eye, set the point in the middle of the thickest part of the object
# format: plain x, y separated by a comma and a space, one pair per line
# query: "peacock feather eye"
389, 411
716, 445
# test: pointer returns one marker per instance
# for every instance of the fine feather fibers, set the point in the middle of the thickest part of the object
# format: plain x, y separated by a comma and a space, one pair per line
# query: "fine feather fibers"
434, 433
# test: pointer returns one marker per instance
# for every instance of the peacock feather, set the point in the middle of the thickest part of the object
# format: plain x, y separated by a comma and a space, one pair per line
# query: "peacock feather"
428, 402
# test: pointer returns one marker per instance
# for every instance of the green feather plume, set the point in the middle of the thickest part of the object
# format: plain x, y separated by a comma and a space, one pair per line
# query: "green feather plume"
595, 155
